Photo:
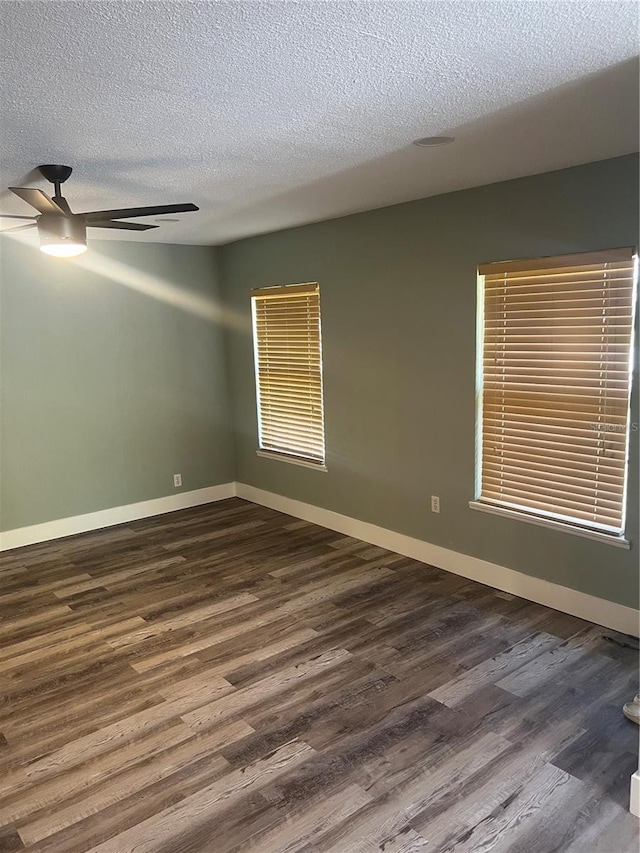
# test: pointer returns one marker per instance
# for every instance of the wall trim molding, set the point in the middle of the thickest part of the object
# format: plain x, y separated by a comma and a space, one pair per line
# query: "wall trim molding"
634, 800
62, 527
607, 613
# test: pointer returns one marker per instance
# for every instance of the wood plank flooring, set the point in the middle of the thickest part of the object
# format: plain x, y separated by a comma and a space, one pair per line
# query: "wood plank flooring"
228, 678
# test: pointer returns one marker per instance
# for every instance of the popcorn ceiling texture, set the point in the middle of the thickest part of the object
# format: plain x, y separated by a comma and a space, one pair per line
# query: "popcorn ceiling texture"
273, 114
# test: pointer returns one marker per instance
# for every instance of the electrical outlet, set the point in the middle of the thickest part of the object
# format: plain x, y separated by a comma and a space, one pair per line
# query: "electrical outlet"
435, 503
177, 480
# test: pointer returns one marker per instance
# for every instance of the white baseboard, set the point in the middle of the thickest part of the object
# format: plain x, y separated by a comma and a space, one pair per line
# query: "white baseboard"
115, 515
634, 799
589, 607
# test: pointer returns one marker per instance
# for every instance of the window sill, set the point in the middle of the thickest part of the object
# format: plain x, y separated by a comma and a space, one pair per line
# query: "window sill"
293, 460
609, 538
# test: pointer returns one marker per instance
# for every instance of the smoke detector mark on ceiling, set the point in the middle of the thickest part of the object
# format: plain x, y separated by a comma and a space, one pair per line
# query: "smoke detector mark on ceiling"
433, 141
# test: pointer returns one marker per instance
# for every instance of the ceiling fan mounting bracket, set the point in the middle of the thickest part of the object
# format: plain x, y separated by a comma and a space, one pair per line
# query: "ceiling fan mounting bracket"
54, 173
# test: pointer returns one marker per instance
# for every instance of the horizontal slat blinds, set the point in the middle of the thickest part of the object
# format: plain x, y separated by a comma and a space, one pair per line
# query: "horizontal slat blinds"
288, 358
555, 386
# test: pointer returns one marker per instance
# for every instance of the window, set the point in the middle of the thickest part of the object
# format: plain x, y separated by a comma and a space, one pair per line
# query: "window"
288, 363
555, 373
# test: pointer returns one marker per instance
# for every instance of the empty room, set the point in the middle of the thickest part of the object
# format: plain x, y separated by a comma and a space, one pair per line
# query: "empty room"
319, 426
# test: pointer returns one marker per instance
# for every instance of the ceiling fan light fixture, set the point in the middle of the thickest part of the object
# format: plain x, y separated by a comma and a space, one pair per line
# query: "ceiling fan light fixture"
62, 236
63, 250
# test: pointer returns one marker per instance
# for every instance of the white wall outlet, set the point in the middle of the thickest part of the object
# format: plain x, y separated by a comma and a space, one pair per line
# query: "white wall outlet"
177, 480
435, 503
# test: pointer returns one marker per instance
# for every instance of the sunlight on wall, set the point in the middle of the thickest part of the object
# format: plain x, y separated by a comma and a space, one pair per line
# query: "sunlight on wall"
161, 289
158, 288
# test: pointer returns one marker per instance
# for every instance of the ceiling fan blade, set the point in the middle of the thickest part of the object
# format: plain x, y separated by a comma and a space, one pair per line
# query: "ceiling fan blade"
19, 227
37, 199
11, 216
130, 212
123, 226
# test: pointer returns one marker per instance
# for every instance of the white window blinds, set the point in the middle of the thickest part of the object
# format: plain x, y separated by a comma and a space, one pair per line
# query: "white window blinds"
288, 361
556, 358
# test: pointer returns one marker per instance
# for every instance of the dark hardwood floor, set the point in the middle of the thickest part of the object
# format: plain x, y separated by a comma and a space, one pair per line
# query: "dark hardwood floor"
228, 678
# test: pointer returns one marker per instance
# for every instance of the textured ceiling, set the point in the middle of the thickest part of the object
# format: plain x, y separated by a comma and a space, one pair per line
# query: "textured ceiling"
272, 114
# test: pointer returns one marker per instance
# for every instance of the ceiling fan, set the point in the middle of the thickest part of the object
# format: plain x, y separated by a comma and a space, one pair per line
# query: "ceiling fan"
64, 233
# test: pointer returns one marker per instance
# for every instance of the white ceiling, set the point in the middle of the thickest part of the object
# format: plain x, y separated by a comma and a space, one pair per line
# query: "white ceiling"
272, 114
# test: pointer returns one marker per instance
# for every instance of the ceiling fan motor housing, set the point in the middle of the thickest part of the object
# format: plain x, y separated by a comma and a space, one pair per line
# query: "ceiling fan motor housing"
55, 173
56, 229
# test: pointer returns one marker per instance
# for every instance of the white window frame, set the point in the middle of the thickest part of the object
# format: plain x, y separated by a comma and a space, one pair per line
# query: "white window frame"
559, 522
264, 451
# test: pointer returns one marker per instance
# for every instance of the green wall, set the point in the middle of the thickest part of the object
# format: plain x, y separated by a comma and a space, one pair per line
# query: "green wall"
112, 378
398, 298
114, 367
